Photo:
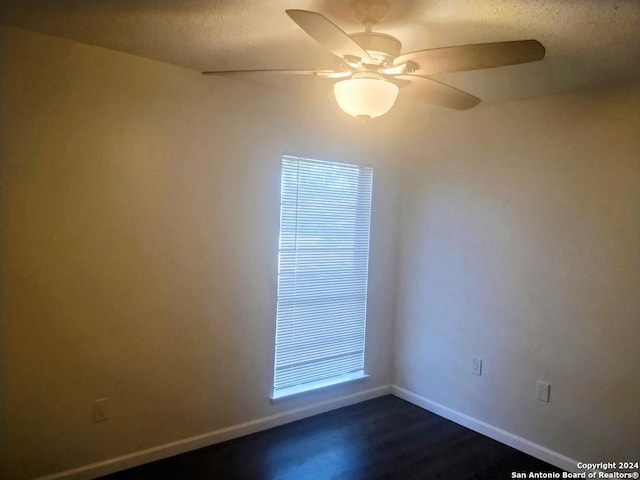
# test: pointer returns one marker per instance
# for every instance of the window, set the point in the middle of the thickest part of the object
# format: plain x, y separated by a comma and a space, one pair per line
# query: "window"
322, 274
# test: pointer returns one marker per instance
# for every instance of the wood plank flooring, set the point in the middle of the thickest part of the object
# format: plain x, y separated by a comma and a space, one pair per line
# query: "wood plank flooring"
384, 438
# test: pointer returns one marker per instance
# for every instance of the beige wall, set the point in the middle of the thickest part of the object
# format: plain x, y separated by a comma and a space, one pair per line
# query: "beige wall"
140, 209
519, 244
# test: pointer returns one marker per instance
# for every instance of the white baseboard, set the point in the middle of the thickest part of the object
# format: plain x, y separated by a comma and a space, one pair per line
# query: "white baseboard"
122, 462
502, 436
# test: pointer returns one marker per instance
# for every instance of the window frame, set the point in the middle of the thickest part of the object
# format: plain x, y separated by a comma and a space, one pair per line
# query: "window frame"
364, 173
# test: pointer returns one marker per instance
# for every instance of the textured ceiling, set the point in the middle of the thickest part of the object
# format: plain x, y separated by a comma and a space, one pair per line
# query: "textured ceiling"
589, 43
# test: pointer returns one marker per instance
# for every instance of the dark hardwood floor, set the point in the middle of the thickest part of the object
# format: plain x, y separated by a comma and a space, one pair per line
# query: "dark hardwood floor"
384, 438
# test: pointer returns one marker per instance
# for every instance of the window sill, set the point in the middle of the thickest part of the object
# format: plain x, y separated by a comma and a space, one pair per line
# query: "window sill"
321, 384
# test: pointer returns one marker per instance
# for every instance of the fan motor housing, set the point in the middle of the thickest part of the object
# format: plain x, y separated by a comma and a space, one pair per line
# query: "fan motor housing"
382, 48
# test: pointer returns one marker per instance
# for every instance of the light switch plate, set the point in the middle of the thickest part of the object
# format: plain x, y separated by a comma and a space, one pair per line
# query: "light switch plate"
542, 391
100, 413
476, 366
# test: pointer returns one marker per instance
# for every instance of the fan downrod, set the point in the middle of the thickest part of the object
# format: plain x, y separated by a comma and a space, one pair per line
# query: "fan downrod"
369, 12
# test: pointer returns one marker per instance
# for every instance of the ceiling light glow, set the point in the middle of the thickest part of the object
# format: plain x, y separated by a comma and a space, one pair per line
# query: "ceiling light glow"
365, 95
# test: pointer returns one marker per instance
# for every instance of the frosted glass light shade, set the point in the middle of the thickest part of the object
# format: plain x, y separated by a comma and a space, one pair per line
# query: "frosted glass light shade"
367, 97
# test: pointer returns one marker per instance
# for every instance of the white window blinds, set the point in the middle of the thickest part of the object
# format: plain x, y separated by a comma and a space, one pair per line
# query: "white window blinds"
322, 274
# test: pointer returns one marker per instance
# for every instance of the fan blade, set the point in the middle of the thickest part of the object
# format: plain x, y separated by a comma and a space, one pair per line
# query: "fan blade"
401, 83
328, 34
473, 57
285, 71
398, 69
441, 94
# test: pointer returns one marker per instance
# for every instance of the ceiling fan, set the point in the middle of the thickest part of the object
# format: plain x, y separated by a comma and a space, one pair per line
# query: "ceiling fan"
372, 66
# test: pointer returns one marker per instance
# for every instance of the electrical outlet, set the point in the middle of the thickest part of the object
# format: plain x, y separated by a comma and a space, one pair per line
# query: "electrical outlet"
476, 366
542, 391
100, 411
